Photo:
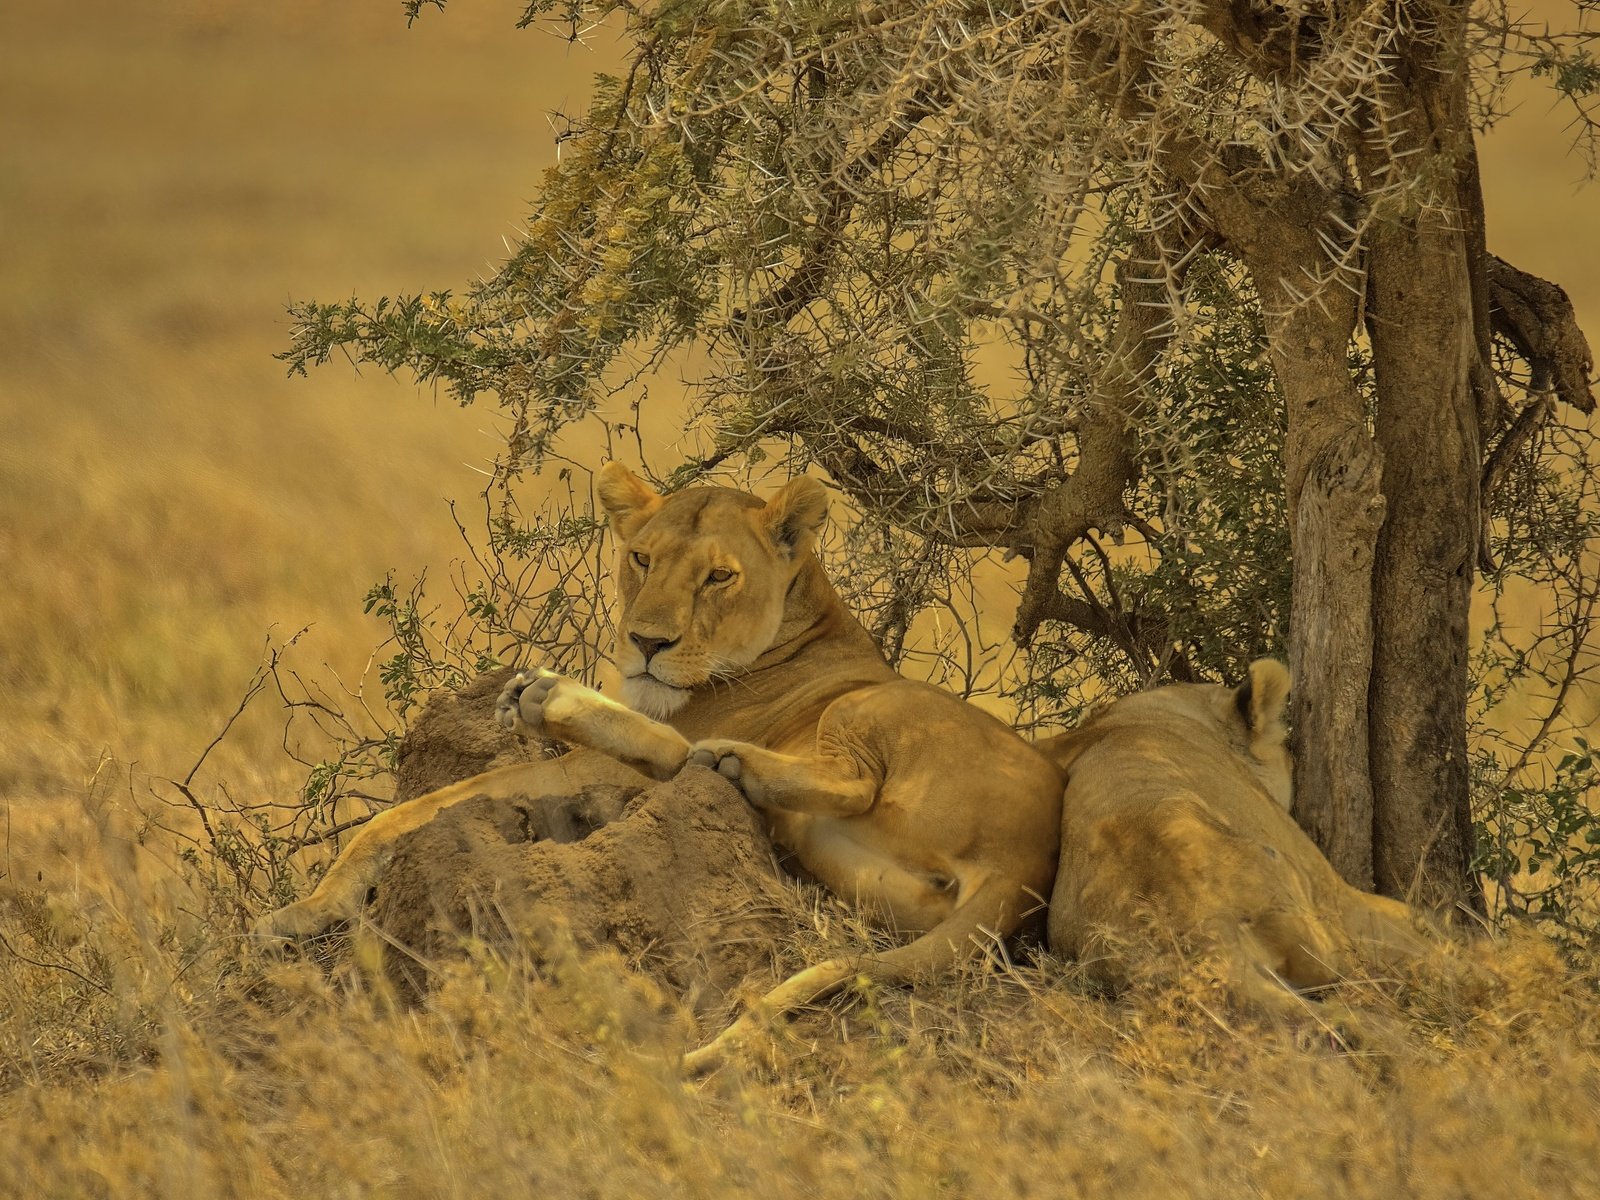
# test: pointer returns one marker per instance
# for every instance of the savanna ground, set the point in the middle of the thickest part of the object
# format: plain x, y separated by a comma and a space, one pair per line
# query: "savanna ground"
169, 178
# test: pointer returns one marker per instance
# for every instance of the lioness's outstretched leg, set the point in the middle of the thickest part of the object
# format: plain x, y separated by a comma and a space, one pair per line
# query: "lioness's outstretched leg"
993, 910
543, 702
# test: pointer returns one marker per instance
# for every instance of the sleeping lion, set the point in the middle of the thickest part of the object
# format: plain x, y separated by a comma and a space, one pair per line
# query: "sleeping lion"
1175, 823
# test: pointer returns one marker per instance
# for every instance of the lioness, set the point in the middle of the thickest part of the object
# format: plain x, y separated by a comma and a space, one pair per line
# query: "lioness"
1175, 822
736, 653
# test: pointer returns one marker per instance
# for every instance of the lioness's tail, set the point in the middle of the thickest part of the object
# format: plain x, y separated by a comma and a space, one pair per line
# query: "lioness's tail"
995, 909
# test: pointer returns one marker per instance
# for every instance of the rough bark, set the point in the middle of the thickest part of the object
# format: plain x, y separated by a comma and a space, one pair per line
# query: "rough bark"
1428, 320
1332, 473
1426, 422
1337, 516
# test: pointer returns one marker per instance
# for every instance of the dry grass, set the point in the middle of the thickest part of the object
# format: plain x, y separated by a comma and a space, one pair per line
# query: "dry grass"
168, 180
167, 495
137, 1061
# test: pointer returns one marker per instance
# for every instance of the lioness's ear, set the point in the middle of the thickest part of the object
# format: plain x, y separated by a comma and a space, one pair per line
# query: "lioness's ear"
796, 513
627, 499
1262, 697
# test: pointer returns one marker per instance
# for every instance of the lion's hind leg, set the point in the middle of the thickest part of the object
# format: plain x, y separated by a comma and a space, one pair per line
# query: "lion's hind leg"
342, 892
1180, 871
994, 909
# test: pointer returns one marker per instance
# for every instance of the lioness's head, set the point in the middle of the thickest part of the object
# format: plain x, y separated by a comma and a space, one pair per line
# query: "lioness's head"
1249, 718
702, 576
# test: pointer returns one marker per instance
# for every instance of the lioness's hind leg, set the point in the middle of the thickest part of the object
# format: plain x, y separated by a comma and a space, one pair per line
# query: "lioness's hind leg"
342, 892
554, 706
824, 785
993, 910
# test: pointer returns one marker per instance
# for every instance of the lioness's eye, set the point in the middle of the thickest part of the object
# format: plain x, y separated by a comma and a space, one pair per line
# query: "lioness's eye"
720, 575
640, 560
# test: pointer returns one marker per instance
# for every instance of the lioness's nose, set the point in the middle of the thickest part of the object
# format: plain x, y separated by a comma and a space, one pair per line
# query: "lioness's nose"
651, 646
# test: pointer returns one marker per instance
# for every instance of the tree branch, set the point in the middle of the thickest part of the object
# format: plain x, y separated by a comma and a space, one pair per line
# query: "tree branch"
804, 283
1092, 496
1268, 39
1498, 464
1536, 317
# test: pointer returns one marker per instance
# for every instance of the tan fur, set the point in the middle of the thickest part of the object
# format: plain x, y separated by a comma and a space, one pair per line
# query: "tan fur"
1175, 825
933, 817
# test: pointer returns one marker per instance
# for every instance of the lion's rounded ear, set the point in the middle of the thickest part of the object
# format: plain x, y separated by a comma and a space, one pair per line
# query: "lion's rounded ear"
1263, 696
796, 513
627, 499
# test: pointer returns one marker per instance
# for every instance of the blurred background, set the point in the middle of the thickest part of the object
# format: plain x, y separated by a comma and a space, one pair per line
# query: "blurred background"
171, 175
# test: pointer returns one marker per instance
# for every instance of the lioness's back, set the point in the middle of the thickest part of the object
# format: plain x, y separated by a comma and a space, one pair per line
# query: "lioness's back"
1175, 825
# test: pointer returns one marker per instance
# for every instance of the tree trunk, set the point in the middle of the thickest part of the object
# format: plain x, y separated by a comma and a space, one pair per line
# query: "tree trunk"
1332, 474
1334, 534
1426, 422
1428, 323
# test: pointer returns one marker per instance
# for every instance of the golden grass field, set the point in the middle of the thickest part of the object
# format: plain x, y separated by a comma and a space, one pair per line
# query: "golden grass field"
171, 175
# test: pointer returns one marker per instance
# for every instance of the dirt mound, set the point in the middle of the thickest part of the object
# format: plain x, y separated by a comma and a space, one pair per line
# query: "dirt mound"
678, 876
456, 737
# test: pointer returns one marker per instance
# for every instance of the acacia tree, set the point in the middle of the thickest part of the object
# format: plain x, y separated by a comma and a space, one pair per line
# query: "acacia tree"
1185, 304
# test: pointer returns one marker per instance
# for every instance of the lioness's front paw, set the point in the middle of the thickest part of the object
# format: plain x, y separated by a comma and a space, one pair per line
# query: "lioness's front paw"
520, 707
721, 757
